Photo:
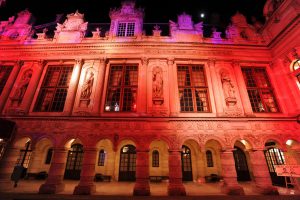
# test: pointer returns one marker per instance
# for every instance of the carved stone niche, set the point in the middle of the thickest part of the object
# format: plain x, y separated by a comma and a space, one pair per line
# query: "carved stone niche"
157, 86
228, 89
87, 88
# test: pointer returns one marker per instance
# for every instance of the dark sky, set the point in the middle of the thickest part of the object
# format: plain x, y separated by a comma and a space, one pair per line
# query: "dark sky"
155, 10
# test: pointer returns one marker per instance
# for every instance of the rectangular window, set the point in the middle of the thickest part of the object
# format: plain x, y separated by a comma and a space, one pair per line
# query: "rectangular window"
126, 29
193, 90
54, 89
122, 88
101, 159
259, 89
4, 74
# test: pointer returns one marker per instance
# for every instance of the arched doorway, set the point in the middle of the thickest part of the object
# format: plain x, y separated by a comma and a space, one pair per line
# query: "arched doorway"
241, 165
274, 156
186, 164
74, 162
127, 163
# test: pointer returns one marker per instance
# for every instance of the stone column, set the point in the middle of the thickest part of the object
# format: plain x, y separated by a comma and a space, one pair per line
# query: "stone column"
141, 187
99, 85
86, 184
8, 163
54, 182
242, 89
34, 82
261, 173
9, 83
73, 87
215, 85
231, 186
173, 88
142, 89
175, 187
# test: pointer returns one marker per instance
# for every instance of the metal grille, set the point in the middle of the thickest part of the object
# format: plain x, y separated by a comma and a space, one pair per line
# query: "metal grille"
259, 89
4, 74
209, 159
155, 158
122, 89
54, 89
25, 155
193, 90
101, 158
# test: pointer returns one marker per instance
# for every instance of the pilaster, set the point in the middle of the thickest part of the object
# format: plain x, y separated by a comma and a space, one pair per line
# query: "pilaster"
54, 182
242, 89
231, 186
142, 187
86, 185
175, 187
261, 173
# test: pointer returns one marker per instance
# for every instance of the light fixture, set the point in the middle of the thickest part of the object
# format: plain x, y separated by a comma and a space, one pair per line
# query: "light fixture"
107, 108
289, 142
244, 142
1, 140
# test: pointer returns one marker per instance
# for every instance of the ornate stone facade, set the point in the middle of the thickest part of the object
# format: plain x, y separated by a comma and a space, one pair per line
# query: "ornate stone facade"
129, 94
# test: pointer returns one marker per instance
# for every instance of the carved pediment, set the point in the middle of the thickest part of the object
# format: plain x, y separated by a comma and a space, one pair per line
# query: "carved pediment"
127, 10
74, 22
185, 22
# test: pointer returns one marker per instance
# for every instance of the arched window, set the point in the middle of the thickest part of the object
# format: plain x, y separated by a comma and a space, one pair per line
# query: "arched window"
296, 69
155, 158
101, 159
209, 159
49, 156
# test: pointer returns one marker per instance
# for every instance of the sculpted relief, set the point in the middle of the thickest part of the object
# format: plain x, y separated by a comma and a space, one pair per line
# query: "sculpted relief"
228, 89
157, 85
22, 86
87, 88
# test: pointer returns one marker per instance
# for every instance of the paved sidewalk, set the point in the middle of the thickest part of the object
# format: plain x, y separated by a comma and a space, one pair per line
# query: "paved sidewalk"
11, 196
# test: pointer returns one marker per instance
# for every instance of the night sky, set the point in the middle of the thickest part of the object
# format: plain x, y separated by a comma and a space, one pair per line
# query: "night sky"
156, 11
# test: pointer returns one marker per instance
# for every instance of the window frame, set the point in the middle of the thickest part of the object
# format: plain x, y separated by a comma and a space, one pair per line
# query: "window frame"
270, 89
42, 86
101, 157
209, 158
193, 88
127, 30
155, 158
122, 86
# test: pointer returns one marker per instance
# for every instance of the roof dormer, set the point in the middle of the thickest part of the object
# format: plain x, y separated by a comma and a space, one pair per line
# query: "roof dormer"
126, 21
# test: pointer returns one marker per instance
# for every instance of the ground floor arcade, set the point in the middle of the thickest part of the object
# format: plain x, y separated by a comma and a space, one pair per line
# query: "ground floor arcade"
177, 161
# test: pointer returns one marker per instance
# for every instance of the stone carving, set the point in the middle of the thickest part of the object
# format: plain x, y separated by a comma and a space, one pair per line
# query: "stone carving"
22, 86
87, 85
72, 30
74, 22
228, 89
157, 86
270, 7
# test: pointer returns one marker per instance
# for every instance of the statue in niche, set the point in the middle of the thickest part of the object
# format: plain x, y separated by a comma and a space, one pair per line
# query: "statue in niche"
228, 89
157, 82
87, 86
22, 86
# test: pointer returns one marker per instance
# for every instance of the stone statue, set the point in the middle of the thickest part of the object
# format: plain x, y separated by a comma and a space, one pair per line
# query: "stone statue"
87, 86
228, 89
157, 83
22, 86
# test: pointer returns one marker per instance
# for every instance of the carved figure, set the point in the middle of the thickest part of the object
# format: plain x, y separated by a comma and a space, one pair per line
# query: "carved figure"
23, 84
87, 86
228, 88
157, 83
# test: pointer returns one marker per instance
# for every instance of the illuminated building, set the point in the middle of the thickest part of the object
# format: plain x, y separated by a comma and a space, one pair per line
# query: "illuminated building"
130, 106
